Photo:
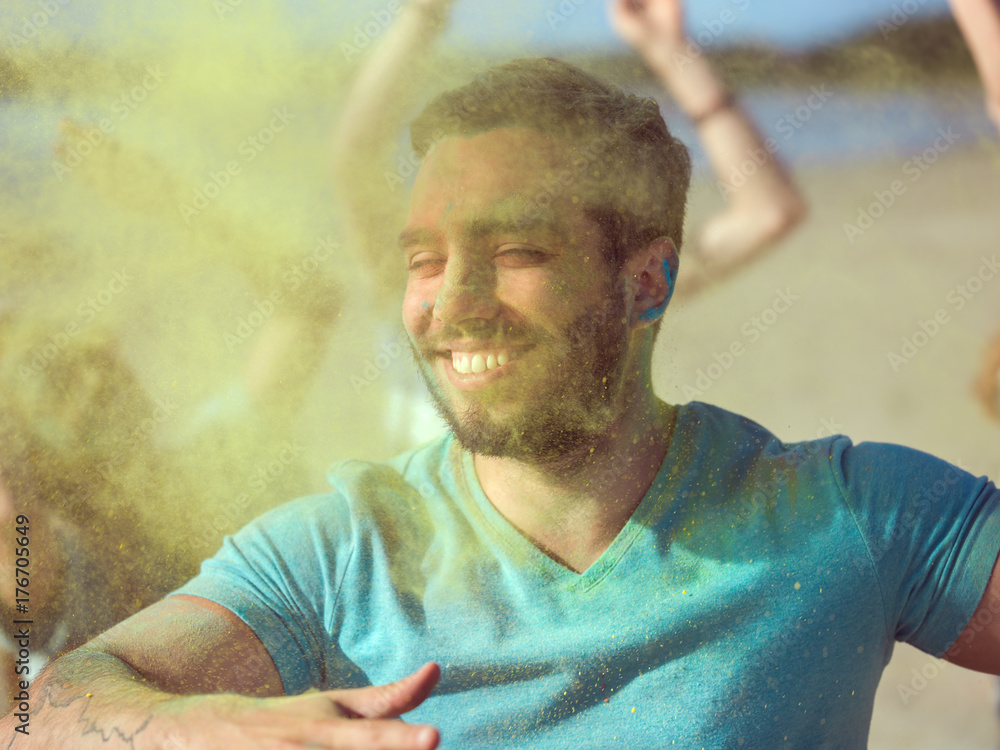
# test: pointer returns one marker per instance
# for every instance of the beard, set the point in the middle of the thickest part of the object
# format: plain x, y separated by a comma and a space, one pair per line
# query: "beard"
575, 402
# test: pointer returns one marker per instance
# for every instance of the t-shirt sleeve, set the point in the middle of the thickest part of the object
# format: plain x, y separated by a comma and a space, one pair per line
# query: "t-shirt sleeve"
281, 575
932, 532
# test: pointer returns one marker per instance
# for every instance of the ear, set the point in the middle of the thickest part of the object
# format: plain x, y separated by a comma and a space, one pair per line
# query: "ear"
650, 276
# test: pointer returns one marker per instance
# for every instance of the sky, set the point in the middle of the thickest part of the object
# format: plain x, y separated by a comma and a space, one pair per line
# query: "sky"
575, 24
528, 25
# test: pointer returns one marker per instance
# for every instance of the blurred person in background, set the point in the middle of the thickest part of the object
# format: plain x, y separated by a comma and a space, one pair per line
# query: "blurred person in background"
250, 421
979, 21
764, 208
72, 464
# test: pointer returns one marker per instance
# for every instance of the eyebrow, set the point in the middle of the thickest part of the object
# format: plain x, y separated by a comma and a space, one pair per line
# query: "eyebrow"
417, 236
512, 213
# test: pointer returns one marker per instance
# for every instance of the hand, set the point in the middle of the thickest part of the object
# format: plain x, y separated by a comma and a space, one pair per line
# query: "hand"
360, 719
643, 23
437, 10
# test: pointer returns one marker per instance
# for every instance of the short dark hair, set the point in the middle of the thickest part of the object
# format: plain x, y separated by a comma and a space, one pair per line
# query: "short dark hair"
639, 171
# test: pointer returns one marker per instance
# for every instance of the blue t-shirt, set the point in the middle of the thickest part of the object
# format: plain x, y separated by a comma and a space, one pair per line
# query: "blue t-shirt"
752, 600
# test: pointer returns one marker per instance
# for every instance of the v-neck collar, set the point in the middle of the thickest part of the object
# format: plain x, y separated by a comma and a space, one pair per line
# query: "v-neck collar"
524, 549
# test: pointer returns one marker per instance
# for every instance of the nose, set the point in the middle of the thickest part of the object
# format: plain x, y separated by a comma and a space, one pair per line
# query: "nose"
468, 291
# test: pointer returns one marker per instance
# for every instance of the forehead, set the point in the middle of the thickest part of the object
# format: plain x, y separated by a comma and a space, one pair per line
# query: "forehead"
508, 171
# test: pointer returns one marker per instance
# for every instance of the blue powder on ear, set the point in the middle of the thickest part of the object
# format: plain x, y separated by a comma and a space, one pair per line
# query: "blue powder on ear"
656, 312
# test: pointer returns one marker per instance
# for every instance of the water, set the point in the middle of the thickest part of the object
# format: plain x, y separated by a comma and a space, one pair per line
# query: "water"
825, 126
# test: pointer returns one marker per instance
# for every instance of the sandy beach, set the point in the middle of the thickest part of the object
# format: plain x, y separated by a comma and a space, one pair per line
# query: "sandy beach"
823, 367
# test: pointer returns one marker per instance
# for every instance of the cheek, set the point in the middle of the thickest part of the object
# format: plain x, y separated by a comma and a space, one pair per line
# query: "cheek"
418, 307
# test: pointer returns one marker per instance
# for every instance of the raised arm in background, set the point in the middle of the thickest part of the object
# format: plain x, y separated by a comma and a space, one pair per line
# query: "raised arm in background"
376, 109
763, 208
979, 21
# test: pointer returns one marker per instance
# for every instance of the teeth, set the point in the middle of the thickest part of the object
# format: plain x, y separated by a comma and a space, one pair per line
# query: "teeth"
476, 363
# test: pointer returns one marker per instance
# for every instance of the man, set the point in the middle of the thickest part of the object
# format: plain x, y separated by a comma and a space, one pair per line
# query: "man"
585, 565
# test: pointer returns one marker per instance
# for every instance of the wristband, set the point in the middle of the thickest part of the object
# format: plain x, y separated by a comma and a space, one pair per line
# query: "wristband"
723, 104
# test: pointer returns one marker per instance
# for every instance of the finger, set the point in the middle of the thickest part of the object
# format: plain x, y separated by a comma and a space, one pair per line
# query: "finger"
385, 701
379, 734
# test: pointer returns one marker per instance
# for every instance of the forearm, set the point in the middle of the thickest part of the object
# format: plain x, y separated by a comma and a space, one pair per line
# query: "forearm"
381, 93
765, 202
89, 699
979, 21
288, 351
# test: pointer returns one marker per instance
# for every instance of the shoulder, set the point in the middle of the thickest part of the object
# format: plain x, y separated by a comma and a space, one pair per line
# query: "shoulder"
723, 439
870, 471
416, 471
732, 439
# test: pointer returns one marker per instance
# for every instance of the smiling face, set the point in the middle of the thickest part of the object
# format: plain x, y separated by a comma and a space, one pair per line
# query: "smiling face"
516, 321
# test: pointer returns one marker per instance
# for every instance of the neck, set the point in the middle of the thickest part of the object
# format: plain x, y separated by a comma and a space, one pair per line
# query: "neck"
574, 507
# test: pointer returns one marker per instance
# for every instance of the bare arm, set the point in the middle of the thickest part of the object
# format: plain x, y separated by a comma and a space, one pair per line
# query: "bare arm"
187, 673
375, 112
760, 210
978, 647
979, 21
987, 383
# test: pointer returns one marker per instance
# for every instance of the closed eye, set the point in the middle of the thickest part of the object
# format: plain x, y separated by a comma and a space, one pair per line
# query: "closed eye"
519, 257
425, 264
